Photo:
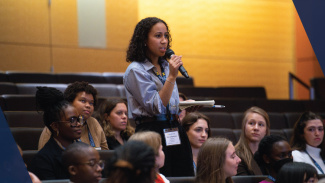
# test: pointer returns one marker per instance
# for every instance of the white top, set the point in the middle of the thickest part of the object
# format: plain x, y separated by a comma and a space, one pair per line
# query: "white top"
302, 156
164, 178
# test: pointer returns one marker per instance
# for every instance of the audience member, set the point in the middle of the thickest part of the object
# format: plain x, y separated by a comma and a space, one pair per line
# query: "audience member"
64, 122
83, 163
273, 152
153, 139
197, 127
182, 113
134, 162
83, 97
297, 172
217, 161
112, 116
255, 126
307, 141
152, 94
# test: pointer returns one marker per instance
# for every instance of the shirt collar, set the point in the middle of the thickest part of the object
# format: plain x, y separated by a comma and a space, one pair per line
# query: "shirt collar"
148, 65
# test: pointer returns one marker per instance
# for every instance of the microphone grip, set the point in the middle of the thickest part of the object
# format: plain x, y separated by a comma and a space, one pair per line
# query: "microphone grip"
183, 71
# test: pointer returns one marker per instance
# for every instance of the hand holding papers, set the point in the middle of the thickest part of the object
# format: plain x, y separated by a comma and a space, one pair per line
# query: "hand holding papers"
208, 103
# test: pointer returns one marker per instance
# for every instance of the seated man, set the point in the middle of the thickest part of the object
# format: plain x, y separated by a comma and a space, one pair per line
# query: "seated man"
83, 163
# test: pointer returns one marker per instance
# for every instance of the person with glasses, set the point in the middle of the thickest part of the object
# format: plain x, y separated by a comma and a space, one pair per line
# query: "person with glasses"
64, 122
273, 152
83, 97
307, 141
83, 163
297, 172
112, 115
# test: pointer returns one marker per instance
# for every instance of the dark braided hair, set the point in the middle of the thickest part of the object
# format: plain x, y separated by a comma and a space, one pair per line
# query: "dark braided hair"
79, 86
52, 102
137, 48
265, 147
133, 162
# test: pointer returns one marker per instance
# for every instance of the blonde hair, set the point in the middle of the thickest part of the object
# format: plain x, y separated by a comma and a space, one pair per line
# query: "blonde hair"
211, 161
153, 139
106, 107
242, 147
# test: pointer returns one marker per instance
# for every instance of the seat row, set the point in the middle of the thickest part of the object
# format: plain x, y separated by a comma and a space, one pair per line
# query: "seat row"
27, 102
91, 77
34, 119
27, 138
104, 90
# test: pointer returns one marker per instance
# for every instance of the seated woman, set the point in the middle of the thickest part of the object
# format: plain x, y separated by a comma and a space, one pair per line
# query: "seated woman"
134, 162
83, 163
64, 122
197, 127
273, 152
153, 139
112, 114
83, 97
255, 126
307, 141
297, 172
217, 161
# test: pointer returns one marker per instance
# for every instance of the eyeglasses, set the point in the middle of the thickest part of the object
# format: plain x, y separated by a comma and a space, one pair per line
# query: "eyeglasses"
74, 120
93, 163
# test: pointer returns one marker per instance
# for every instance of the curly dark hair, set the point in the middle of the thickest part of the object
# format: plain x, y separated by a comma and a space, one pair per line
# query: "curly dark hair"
79, 86
137, 49
52, 102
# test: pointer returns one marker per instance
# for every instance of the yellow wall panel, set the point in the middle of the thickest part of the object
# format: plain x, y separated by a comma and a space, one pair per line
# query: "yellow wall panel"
24, 21
232, 42
24, 58
88, 60
64, 23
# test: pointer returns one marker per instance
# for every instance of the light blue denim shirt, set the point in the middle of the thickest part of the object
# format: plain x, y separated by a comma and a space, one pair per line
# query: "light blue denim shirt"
142, 86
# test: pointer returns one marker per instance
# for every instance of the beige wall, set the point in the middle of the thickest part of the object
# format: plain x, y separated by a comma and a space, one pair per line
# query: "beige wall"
223, 42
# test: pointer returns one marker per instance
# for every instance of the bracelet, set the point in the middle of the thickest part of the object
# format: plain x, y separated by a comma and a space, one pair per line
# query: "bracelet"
170, 82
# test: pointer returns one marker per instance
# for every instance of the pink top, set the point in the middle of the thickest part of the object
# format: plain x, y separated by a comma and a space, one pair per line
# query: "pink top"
264, 181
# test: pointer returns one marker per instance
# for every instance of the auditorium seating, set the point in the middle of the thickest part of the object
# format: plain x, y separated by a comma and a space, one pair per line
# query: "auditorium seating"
318, 87
72, 77
31, 88
224, 132
19, 102
8, 88
248, 178
28, 156
113, 77
32, 119
30, 77
27, 138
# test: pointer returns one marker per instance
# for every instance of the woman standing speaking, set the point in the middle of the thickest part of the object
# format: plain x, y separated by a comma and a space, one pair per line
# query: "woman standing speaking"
152, 94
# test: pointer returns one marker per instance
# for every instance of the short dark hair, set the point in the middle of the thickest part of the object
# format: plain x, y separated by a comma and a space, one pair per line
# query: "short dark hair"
294, 173
71, 154
137, 49
133, 162
73, 89
265, 148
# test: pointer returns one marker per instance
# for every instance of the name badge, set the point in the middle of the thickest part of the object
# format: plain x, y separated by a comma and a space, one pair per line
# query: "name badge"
172, 136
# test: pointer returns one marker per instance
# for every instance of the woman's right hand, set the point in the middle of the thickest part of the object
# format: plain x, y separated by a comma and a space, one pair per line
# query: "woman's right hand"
174, 63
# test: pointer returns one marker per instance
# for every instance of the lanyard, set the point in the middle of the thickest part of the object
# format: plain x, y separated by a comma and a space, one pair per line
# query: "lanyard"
91, 140
316, 164
163, 78
271, 178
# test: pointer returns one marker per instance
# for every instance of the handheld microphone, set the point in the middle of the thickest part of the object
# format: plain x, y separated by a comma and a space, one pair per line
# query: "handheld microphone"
181, 69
